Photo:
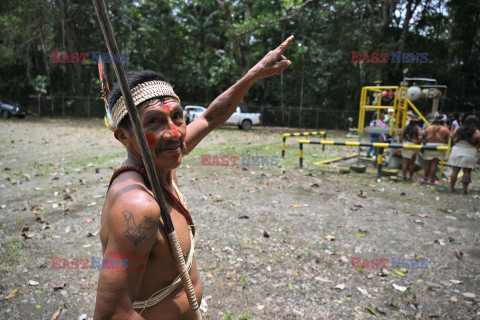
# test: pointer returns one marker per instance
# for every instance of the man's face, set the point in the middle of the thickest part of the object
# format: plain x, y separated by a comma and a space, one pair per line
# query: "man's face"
165, 129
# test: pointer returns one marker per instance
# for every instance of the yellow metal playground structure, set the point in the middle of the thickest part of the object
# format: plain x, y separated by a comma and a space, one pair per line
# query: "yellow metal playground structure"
401, 102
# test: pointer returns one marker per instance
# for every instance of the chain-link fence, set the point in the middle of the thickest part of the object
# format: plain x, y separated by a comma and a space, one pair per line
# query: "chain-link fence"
66, 106
306, 117
93, 107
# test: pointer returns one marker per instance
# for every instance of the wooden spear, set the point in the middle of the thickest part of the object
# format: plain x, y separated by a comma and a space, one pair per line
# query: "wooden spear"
107, 31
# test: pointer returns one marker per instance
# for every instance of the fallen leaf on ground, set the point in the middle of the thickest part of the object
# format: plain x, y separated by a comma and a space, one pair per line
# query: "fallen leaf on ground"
59, 313
33, 283
453, 299
330, 238
458, 254
362, 233
60, 286
92, 234
371, 311
295, 205
14, 293
89, 220
399, 288
339, 286
400, 273
360, 194
318, 278
363, 291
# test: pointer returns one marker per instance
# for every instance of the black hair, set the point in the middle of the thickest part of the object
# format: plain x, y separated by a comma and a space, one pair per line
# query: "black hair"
411, 130
134, 78
467, 129
438, 120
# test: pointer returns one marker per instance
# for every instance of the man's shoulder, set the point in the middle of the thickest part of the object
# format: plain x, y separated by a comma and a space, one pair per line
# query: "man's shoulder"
128, 200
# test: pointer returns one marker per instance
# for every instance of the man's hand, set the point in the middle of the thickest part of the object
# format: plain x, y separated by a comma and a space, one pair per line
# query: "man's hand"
273, 63
224, 105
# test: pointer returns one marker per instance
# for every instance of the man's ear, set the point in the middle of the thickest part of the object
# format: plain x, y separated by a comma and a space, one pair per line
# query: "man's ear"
123, 136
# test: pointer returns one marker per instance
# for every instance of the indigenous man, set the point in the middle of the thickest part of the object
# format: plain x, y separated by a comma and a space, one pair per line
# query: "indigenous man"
145, 284
436, 135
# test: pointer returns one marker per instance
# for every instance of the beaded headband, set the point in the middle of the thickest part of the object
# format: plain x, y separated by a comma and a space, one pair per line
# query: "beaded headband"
140, 93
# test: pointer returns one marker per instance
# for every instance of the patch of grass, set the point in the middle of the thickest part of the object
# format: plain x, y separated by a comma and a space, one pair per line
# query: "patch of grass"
395, 303
245, 316
363, 271
431, 288
228, 315
13, 240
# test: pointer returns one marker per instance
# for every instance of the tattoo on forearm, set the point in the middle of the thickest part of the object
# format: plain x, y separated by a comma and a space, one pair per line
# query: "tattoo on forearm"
140, 232
223, 110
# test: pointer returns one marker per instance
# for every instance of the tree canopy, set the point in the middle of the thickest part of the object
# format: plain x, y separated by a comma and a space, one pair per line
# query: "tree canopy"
204, 46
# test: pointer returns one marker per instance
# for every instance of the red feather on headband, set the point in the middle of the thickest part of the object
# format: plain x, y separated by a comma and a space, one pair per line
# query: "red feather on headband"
106, 90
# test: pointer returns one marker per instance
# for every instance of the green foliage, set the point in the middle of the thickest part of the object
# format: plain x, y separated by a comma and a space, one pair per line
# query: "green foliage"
228, 316
204, 46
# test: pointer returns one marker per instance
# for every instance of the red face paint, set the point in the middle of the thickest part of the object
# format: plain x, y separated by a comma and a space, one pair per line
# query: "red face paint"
174, 129
151, 139
169, 105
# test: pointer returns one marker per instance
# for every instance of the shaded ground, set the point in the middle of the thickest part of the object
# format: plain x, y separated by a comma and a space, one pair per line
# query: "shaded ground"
56, 172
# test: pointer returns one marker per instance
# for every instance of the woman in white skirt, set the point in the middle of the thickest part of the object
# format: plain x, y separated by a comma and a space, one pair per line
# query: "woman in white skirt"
464, 152
412, 134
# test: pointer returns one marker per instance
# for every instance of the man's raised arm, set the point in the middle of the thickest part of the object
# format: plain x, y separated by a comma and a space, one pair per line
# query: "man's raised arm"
225, 105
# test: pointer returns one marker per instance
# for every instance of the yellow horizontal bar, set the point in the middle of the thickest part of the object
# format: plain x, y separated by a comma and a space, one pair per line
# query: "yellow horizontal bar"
324, 162
296, 134
380, 145
286, 135
328, 142
306, 133
352, 144
379, 107
303, 141
381, 87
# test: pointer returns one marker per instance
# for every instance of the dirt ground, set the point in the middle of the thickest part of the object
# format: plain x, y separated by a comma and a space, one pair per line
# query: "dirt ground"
274, 242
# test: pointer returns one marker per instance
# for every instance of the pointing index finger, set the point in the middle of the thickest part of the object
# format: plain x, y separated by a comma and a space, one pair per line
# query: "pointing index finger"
285, 44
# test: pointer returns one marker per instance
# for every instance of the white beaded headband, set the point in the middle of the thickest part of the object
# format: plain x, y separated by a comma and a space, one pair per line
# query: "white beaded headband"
140, 93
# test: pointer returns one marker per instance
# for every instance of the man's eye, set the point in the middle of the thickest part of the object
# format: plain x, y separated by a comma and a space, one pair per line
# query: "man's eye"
178, 115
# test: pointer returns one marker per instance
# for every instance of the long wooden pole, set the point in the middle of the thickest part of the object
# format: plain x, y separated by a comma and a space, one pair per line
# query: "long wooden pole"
107, 31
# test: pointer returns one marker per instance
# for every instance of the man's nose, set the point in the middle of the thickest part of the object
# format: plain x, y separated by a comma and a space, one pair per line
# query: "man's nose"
172, 131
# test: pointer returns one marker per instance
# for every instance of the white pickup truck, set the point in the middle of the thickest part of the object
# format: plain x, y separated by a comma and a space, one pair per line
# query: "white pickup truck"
244, 120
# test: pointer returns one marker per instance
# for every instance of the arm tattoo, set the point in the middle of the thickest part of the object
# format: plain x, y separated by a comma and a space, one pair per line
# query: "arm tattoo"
140, 232
223, 110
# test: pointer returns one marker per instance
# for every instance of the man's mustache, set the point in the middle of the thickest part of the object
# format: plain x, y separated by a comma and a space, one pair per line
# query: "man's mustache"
169, 146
